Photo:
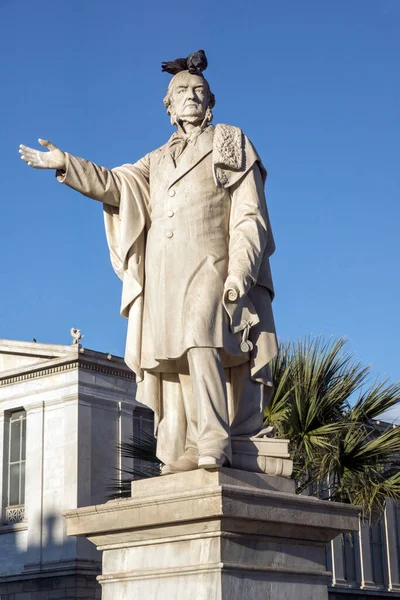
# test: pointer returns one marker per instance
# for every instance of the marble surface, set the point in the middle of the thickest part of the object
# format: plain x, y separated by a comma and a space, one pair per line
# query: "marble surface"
262, 455
190, 238
214, 535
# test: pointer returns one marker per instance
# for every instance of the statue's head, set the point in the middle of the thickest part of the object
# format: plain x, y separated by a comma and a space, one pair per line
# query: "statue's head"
189, 99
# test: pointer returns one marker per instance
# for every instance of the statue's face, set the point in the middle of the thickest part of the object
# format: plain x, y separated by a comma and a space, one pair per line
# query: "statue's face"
189, 97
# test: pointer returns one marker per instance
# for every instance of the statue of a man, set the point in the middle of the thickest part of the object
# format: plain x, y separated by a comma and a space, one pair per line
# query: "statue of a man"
189, 236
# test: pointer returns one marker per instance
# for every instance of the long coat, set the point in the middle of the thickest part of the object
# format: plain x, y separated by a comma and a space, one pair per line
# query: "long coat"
175, 233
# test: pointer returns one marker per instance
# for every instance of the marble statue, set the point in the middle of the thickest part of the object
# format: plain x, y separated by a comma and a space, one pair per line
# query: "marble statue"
189, 236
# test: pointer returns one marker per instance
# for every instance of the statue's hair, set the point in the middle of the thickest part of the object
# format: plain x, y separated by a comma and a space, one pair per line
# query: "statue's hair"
168, 100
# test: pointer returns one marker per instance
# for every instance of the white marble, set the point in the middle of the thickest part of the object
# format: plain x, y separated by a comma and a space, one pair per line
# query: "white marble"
262, 455
215, 535
189, 236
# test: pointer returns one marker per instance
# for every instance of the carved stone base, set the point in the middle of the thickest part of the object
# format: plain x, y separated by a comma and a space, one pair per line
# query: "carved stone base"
262, 455
213, 535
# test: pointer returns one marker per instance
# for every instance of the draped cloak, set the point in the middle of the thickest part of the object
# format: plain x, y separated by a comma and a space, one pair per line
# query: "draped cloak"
126, 230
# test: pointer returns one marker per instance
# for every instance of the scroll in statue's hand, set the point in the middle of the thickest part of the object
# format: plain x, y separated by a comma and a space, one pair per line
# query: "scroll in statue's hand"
54, 159
236, 286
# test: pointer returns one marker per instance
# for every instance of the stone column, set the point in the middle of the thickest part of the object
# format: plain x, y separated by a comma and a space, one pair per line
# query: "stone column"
340, 575
338, 566
367, 582
391, 528
214, 535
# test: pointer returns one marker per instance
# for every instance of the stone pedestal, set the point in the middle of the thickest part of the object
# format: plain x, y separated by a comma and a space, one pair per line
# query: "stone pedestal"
213, 535
262, 455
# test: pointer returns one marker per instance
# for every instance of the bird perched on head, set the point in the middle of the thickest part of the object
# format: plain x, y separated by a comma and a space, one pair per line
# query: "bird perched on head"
195, 63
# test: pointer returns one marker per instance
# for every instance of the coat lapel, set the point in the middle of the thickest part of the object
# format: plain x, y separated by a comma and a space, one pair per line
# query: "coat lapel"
165, 165
191, 156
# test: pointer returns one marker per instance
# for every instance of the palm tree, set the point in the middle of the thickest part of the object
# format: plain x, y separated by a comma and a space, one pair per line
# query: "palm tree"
323, 404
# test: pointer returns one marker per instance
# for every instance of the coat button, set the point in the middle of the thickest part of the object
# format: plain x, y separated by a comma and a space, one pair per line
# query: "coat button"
169, 234
171, 193
170, 213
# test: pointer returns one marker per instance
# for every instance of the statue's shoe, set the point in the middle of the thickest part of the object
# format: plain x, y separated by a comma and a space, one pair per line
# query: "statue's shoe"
211, 462
187, 462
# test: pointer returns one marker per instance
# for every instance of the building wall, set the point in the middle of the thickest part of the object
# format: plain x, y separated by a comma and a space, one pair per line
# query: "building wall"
67, 587
79, 406
13, 546
367, 564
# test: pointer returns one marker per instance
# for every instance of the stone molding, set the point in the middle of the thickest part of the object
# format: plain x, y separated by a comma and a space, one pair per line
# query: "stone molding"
13, 527
34, 407
213, 534
80, 568
39, 372
264, 506
204, 535
232, 567
61, 567
36, 371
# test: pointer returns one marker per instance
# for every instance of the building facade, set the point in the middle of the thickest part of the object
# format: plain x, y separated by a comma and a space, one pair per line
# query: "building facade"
366, 564
63, 411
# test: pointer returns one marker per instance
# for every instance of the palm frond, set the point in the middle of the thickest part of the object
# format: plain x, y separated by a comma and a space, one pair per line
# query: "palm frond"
339, 452
380, 448
140, 448
145, 464
376, 400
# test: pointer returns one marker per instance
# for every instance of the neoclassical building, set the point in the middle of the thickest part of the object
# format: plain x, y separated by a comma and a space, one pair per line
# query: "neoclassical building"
63, 412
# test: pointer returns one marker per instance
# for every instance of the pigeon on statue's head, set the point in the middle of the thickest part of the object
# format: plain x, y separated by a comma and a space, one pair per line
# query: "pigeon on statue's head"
195, 63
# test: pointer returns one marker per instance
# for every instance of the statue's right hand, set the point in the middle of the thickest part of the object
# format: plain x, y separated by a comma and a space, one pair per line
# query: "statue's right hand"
54, 159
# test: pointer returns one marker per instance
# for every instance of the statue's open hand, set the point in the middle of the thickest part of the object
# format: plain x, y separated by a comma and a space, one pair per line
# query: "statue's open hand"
54, 159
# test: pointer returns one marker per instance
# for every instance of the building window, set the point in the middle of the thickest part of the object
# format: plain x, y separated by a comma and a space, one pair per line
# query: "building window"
16, 467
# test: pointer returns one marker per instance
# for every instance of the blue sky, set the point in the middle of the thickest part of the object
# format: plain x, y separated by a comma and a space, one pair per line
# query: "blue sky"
316, 87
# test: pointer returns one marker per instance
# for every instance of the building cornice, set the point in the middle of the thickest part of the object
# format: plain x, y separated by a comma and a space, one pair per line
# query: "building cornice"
64, 364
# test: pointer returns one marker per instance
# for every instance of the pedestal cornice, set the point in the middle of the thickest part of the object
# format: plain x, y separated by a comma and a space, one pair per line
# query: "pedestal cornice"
219, 535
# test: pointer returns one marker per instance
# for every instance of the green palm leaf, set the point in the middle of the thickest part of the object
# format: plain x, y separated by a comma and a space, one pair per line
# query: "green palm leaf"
376, 400
339, 452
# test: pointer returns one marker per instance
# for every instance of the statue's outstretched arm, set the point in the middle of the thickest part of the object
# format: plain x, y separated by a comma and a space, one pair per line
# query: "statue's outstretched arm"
82, 175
